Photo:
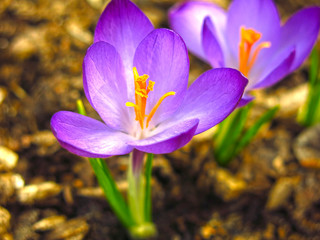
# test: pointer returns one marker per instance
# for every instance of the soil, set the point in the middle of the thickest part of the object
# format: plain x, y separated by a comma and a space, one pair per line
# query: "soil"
270, 191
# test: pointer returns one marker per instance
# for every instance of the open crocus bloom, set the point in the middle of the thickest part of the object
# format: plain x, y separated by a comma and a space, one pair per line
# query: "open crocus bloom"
248, 37
136, 78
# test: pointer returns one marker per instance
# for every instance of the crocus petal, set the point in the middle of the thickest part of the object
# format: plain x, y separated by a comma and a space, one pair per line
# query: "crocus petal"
164, 57
123, 25
211, 47
105, 85
301, 31
88, 137
187, 20
279, 72
261, 15
245, 100
171, 137
212, 97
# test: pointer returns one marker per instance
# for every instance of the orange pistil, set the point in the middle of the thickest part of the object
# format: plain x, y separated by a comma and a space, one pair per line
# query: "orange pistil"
141, 95
248, 37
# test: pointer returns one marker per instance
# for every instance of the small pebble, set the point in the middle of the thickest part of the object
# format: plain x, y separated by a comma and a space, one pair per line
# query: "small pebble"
23, 47
9, 183
95, 192
44, 138
7, 236
226, 185
8, 158
38, 192
22, 229
72, 229
48, 223
4, 220
281, 191
76, 31
307, 147
3, 94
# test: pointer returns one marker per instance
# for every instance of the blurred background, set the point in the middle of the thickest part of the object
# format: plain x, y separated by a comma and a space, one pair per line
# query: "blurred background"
271, 191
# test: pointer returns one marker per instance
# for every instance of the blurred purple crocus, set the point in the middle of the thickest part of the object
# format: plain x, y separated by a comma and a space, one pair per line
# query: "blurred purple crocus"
158, 115
249, 37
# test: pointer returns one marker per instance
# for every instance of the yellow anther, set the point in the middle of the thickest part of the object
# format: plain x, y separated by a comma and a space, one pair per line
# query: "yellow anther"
154, 109
150, 86
141, 95
130, 104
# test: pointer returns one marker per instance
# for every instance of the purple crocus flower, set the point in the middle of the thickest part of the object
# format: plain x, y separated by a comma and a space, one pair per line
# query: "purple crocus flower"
158, 115
248, 37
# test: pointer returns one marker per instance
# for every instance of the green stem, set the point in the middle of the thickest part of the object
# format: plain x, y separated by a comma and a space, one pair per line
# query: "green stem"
107, 183
136, 190
136, 217
138, 197
148, 172
111, 192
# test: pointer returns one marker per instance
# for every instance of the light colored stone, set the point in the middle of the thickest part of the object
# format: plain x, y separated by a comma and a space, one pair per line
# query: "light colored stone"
48, 223
72, 229
8, 159
3, 94
226, 185
4, 220
9, 184
281, 191
307, 147
38, 192
76, 31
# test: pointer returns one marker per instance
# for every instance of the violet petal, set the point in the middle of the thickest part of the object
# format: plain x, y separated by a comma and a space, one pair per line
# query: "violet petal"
88, 137
301, 31
211, 47
261, 15
212, 97
164, 57
172, 137
278, 73
105, 85
187, 20
245, 100
123, 25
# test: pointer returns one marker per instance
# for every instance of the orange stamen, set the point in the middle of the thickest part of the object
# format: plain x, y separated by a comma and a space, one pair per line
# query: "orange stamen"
154, 109
248, 37
141, 95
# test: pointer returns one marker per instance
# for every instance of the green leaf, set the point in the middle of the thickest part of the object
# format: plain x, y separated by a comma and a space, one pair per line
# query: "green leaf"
314, 67
251, 132
135, 193
111, 191
147, 202
80, 108
310, 112
107, 183
228, 134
